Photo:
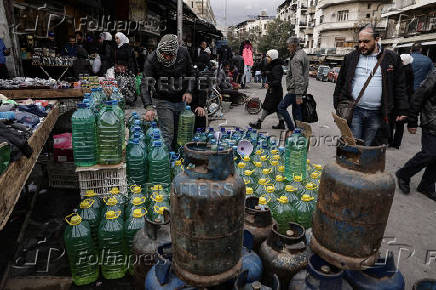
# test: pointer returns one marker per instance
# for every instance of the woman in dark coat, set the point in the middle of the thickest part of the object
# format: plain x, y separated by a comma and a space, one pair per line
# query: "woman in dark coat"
106, 50
125, 68
274, 94
81, 64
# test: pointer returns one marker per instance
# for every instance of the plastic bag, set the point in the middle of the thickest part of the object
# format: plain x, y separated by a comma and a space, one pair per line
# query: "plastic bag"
110, 73
96, 66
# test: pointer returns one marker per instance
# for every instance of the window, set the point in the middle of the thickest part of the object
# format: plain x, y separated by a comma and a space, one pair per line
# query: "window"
339, 41
369, 6
342, 15
321, 19
265, 26
368, 15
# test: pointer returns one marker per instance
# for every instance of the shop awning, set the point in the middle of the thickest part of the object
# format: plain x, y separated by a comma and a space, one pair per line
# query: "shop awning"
404, 45
429, 43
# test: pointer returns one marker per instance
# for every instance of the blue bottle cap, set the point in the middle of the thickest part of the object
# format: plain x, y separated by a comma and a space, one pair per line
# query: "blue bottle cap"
81, 105
157, 144
156, 135
114, 102
86, 95
136, 135
235, 148
250, 129
93, 89
223, 130
198, 130
137, 122
109, 103
137, 129
297, 130
134, 114
154, 124
134, 141
211, 130
196, 139
188, 108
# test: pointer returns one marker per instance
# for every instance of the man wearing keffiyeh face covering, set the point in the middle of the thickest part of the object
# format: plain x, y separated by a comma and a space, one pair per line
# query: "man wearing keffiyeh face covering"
167, 85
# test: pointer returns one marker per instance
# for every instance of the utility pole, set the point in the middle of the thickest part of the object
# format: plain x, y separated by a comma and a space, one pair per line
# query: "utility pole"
225, 14
180, 21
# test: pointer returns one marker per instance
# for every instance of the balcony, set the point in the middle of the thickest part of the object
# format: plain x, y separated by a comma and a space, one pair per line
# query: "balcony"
308, 31
303, 24
344, 25
322, 4
311, 10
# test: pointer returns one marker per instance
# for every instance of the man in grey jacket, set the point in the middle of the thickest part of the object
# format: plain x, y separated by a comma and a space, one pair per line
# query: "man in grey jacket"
297, 81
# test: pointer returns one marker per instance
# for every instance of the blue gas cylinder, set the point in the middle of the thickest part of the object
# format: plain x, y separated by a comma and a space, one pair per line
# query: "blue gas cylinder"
160, 277
251, 261
425, 284
384, 275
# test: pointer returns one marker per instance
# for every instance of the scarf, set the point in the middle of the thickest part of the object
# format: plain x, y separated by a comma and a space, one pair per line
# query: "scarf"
123, 39
167, 45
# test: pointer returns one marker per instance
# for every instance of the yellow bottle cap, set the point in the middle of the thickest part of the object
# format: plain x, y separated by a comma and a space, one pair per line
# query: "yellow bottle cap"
315, 174
110, 215
274, 163
275, 152
178, 163
283, 199
279, 178
248, 190
115, 190
290, 188
262, 181
311, 186
235, 158
87, 203
159, 210
317, 166
298, 178
270, 189
247, 181
263, 158
137, 213
157, 187
258, 164
73, 219
111, 201
308, 161
258, 152
262, 200
90, 193
307, 198
241, 165
136, 189
138, 200
266, 171
248, 172
246, 158
281, 169
276, 157
158, 198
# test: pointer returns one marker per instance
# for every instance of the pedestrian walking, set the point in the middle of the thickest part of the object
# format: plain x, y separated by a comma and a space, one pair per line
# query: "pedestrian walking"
423, 101
238, 62
168, 63
422, 64
397, 127
373, 79
297, 81
125, 68
274, 94
247, 54
4, 74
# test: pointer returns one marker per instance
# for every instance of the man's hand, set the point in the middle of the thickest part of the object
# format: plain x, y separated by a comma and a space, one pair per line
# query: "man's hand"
400, 118
150, 115
412, 130
200, 111
266, 86
187, 98
298, 99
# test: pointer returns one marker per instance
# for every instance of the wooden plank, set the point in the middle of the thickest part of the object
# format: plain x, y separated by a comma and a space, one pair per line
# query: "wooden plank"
14, 178
45, 94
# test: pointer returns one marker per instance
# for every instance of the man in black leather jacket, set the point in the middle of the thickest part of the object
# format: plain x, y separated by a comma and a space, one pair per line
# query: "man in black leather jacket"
424, 102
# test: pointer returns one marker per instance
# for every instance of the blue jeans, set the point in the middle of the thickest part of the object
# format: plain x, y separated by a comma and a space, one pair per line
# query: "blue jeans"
282, 109
365, 124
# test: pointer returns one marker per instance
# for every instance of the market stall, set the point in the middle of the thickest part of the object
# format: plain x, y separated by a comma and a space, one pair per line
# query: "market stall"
14, 178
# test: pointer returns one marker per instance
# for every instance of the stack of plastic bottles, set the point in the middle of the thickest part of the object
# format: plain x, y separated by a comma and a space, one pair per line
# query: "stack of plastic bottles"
98, 128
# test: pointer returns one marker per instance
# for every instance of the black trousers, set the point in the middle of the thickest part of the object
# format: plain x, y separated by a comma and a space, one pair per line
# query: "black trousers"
397, 132
4, 74
426, 158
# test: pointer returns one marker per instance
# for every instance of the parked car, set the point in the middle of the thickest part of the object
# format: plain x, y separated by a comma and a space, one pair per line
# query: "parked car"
333, 74
322, 73
313, 71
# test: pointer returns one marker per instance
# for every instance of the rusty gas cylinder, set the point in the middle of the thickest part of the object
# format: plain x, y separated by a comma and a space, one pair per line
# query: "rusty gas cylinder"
145, 246
257, 221
207, 217
284, 255
354, 200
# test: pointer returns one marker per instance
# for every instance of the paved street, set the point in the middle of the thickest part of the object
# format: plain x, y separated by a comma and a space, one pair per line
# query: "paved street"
411, 230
